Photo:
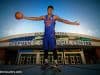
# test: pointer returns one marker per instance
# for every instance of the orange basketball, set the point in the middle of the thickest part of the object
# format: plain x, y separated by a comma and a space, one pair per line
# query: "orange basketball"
18, 15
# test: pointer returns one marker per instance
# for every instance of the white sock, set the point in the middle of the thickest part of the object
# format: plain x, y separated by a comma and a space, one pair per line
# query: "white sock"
46, 60
55, 62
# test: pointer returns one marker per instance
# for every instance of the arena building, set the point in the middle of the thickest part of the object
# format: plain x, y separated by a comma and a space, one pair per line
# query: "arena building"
72, 48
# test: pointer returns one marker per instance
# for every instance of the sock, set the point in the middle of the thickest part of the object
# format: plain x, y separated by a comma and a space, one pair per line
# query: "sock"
55, 62
46, 60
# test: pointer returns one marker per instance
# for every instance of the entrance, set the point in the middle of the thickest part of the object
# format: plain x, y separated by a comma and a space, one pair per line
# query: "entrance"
11, 56
63, 58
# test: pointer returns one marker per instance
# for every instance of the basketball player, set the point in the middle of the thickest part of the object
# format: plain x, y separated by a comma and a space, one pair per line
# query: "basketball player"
49, 41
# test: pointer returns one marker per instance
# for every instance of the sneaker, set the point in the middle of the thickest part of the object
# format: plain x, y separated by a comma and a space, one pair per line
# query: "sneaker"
44, 66
56, 67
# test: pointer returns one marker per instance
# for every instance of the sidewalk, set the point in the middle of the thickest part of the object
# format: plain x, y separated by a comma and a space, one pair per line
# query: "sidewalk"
66, 69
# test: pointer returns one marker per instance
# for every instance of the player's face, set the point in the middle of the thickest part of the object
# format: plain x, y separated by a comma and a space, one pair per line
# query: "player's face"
50, 10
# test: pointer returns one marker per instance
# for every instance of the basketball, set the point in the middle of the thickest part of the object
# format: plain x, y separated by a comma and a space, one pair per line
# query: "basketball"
18, 15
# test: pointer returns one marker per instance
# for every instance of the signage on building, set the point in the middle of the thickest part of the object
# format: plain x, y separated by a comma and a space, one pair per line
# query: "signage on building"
73, 42
59, 42
84, 39
20, 43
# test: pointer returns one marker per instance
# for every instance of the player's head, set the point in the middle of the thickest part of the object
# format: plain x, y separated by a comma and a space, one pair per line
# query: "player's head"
50, 9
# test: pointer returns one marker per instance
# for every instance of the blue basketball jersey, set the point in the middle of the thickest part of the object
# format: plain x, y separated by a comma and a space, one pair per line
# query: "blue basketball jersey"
49, 27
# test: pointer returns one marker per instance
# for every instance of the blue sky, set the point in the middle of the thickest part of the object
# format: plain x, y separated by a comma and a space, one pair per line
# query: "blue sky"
85, 11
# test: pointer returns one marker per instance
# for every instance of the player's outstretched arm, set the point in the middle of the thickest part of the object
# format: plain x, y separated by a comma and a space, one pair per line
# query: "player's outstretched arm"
34, 18
66, 21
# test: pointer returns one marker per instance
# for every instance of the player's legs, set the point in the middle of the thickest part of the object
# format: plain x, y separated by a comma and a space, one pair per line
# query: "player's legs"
52, 46
55, 56
45, 56
46, 48
49, 44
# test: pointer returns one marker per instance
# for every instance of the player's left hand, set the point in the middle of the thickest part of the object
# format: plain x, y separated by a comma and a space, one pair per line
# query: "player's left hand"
77, 23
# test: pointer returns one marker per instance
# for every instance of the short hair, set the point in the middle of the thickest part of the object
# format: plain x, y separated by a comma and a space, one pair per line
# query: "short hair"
50, 6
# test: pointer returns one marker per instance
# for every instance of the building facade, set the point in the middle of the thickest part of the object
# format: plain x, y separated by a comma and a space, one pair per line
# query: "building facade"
72, 48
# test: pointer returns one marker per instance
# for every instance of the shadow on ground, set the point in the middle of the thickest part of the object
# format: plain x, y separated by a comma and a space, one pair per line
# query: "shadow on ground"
65, 70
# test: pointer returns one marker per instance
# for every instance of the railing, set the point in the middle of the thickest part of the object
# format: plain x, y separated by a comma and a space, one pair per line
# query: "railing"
37, 58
